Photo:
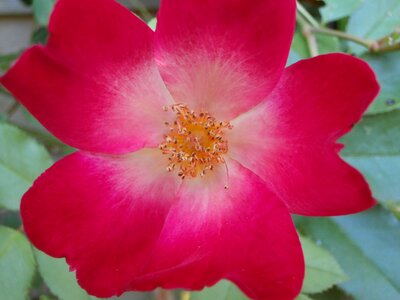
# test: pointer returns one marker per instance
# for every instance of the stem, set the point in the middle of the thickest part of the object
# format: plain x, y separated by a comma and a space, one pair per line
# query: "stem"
306, 15
309, 26
12, 110
373, 46
185, 295
311, 41
308, 35
3, 91
327, 31
162, 294
389, 48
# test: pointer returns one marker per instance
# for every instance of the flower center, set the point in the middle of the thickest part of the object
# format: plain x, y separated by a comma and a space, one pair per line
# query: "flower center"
195, 143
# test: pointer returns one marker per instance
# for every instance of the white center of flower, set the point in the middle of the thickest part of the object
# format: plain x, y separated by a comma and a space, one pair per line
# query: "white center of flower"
195, 143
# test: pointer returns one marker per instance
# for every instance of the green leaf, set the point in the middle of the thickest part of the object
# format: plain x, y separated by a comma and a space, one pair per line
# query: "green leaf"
367, 246
10, 218
45, 297
61, 282
375, 135
22, 159
17, 265
337, 9
42, 10
373, 20
40, 35
387, 69
303, 297
152, 23
293, 58
394, 209
382, 173
6, 60
373, 147
224, 290
326, 44
334, 293
299, 45
322, 270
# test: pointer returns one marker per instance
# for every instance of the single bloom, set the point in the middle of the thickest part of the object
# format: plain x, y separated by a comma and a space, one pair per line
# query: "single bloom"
195, 144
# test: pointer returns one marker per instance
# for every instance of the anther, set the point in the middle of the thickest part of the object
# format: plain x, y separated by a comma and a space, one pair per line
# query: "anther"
195, 142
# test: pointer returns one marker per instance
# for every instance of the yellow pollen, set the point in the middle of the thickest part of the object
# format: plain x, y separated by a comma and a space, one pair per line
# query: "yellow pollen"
195, 143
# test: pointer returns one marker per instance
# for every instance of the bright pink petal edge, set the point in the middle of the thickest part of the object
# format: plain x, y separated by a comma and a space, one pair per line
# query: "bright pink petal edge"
126, 224
95, 85
290, 139
223, 56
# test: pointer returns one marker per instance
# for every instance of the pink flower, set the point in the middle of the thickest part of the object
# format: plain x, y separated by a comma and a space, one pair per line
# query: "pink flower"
196, 144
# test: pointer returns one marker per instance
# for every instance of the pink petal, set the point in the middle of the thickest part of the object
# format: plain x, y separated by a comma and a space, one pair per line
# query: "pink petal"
289, 140
95, 85
223, 56
103, 214
123, 224
324, 97
243, 234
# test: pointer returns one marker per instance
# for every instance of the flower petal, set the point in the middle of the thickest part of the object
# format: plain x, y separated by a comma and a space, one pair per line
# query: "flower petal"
244, 234
289, 140
95, 85
104, 214
228, 55
120, 226
323, 97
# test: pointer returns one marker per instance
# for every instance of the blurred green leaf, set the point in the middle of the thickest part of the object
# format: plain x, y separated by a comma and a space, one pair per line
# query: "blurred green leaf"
387, 69
374, 135
395, 209
45, 297
322, 270
382, 173
224, 290
10, 218
326, 44
373, 20
337, 9
22, 159
367, 246
299, 46
152, 23
17, 265
42, 10
40, 35
373, 147
6, 60
59, 279
303, 297
334, 293
293, 58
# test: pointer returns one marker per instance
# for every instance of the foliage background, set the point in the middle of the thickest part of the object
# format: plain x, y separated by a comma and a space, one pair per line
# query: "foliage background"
354, 257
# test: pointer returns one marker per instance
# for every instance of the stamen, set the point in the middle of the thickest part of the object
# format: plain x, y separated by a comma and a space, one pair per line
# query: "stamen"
227, 175
195, 143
